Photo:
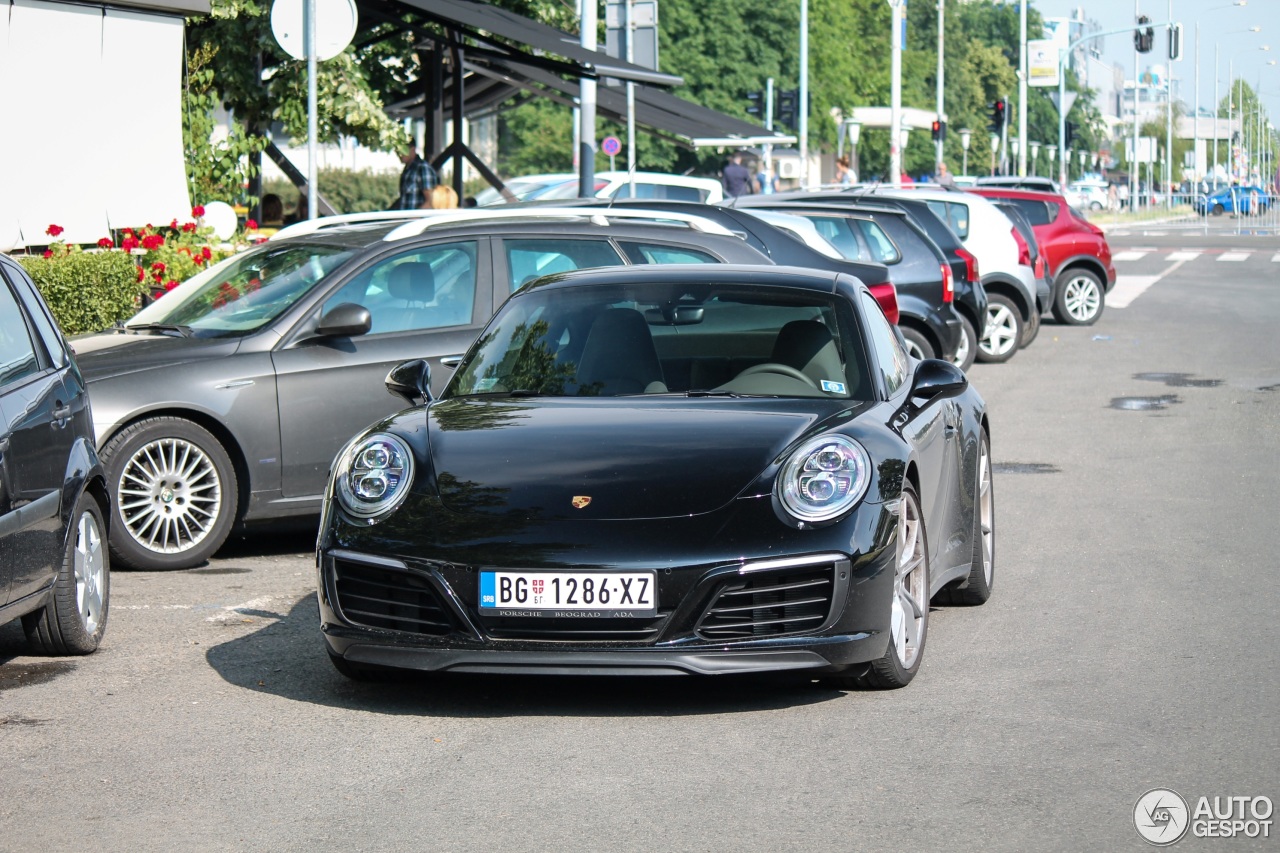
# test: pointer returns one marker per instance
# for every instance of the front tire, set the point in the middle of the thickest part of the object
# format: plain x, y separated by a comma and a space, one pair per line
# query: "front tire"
982, 575
73, 621
909, 609
174, 494
967, 352
1004, 330
1080, 299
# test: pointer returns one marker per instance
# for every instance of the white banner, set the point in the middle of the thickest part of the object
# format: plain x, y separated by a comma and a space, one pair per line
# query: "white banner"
1042, 63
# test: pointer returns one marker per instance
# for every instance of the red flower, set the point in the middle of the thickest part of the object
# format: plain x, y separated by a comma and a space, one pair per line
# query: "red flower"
188, 227
251, 225
54, 230
157, 267
152, 241
206, 254
129, 243
141, 274
48, 253
170, 285
174, 224
106, 243
197, 211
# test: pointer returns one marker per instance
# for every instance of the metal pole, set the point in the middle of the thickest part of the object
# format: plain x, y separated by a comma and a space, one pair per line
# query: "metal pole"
1231, 105
1022, 89
1195, 122
768, 124
1216, 111
310, 12
1168, 129
587, 107
895, 94
942, 5
629, 27
802, 108
1133, 172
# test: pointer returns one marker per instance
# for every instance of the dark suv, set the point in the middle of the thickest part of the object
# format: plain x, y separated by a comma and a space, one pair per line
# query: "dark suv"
54, 570
227, 399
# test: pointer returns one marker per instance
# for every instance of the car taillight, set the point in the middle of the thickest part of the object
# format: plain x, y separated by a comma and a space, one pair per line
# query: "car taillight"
970, 263
1024, 250
948, 283
887, 295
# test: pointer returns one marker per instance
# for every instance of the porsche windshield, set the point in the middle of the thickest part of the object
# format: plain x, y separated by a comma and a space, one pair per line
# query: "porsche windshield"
244, 292
695, 340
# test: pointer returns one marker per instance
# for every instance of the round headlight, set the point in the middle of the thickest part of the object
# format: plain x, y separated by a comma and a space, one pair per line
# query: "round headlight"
824, 477
374, 476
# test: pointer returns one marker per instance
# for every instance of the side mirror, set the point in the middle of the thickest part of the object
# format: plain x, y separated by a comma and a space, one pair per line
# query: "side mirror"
345, 320
935, 379
411, 380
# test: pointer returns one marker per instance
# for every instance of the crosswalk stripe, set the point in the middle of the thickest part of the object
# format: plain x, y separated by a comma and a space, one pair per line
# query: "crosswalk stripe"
1183, 256
1234, 256
1128, 256
1129, 288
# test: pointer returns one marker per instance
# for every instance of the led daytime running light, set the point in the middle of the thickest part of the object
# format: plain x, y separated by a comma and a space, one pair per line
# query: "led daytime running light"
374, 476
824, 478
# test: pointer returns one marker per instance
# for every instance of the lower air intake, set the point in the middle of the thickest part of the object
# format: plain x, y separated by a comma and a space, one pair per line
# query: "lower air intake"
390, 599
769, 604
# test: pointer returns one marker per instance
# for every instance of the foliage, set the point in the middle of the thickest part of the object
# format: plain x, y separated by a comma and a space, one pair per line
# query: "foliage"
86, 291
216, 171
348, 190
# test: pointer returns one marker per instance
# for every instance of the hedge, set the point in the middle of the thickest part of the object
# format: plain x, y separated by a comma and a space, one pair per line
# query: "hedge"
87, 291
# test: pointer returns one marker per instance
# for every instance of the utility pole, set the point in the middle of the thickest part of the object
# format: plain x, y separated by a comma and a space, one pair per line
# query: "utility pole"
895, 94
802, 108
1022, 88
587, 115
942, 5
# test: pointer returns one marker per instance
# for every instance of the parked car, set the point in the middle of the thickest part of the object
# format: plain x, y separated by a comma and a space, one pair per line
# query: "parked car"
830, 507
226, 400
1030, 182
931, 327
524, 188
1076, 250
969, 298
1087, 194
1238, 199
55, 573
655, 185
1044, 283
1007, 273
782, 246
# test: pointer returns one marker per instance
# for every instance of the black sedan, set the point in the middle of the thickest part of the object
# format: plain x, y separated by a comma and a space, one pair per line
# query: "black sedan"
682, 470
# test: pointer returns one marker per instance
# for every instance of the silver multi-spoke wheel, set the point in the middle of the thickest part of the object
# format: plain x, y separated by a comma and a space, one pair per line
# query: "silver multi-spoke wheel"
1003, 330
90, 570
169, 494
1081, 298
986, 515
976, 587
910, 608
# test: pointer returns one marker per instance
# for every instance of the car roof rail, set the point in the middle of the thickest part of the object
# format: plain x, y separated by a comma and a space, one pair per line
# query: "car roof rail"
597, 216
311, 226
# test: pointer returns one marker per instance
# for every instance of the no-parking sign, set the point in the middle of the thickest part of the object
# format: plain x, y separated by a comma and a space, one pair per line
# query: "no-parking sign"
611, 145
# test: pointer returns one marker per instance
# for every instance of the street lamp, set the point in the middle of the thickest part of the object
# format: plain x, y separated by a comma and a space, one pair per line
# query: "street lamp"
1035, 156
995, 146
964, 144
855, 131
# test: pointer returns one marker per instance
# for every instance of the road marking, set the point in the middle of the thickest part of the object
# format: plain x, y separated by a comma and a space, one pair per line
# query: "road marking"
1132, 255
1155, 233
1183, 256
1130, 287
1234, 256
1275, 259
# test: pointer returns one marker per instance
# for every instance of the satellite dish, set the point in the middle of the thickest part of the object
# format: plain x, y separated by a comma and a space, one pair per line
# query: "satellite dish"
221, 217
335, 27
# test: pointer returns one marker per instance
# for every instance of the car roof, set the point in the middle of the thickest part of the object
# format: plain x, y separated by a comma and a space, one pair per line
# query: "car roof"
797, 278
1009, 192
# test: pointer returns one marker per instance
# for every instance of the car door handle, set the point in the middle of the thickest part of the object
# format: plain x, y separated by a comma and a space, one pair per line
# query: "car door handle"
61, 414
450, 361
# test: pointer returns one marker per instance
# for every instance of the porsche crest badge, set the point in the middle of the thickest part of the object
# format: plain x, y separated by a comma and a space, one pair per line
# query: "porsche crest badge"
580, 501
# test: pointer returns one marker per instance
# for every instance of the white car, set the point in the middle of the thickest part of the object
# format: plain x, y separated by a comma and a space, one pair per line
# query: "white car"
655, 185
1087, 195
1014, 300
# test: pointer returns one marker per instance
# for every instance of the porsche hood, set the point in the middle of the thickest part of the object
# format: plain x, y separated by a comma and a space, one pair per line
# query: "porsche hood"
610, 459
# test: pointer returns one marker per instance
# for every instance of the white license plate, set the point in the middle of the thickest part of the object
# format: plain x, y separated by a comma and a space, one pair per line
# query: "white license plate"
590, 594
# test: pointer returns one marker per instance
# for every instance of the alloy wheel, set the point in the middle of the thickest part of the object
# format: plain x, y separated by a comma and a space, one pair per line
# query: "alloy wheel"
1002, 331
90, 572
169, 495
910, 585
986, 513
1082, 298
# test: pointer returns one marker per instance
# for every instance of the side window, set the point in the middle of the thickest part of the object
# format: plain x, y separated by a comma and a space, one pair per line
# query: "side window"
955, 215
838, 231
430, 288
882, 249
669, 192
17, 350
530, 259
890, 358
1037, 212
1054, 210
43, 322
653, 253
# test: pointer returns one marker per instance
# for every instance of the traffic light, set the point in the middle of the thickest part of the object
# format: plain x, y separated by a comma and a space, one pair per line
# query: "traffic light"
997, 117
939, 129
1175, 43
755, 104
1144, 36
1070, 134
787, 101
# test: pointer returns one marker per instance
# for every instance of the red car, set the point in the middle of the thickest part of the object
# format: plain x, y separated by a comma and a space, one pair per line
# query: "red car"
1076, 250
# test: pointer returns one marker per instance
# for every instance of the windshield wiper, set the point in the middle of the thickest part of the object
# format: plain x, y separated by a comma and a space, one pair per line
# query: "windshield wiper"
180, 330
704, 392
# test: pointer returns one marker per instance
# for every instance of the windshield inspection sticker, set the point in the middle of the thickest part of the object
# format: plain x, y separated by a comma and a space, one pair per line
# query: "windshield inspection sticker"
832, 387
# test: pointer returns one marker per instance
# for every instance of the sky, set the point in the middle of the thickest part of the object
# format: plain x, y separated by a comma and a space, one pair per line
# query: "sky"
1220, 23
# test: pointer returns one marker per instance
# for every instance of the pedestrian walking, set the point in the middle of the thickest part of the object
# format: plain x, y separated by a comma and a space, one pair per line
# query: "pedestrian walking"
844, 172
737, 177
416, 181
945, 178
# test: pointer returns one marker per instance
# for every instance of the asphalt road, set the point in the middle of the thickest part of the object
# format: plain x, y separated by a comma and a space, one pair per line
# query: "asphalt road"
1131, 643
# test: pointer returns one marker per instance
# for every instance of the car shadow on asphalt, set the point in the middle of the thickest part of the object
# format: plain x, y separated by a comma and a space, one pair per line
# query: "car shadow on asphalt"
287, 658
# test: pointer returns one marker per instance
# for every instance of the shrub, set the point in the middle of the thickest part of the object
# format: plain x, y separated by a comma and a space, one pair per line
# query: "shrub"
347, 190
87, 291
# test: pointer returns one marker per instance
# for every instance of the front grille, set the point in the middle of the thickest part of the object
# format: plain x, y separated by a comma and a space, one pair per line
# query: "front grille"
390, 599
768, 604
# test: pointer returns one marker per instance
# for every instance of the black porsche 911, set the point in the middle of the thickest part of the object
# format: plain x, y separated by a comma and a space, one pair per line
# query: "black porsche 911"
685, 470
